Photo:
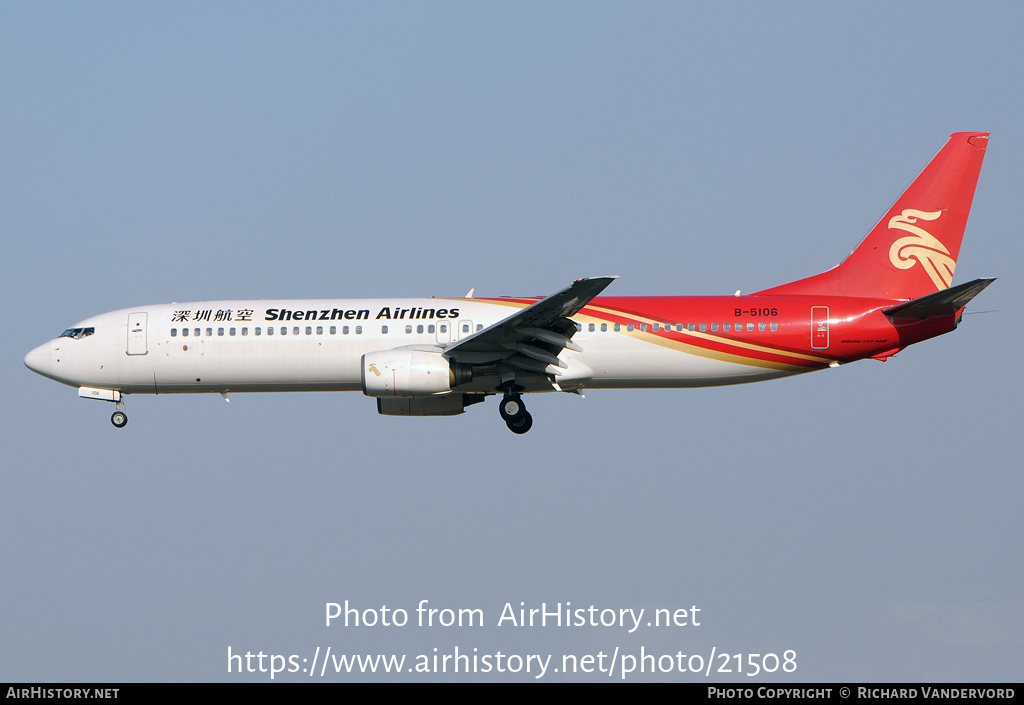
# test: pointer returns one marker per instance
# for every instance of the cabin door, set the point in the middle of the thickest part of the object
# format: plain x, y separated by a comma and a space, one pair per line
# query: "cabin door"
137, 334
819, 327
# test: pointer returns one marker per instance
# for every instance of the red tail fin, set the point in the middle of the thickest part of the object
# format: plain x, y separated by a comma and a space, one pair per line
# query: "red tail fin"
912, 250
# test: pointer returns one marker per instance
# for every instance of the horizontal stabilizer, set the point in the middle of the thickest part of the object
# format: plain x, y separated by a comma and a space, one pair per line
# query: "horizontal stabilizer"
941, 303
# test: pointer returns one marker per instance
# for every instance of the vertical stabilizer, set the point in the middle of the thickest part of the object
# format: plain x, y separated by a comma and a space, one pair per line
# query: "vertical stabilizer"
913, 249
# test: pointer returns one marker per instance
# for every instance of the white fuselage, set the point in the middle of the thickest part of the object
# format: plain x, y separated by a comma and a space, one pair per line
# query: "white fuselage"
317, 345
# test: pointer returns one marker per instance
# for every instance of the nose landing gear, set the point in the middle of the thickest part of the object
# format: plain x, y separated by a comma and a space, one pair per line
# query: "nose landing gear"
119, 418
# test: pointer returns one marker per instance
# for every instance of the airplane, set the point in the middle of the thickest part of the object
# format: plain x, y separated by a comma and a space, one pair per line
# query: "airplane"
438, 356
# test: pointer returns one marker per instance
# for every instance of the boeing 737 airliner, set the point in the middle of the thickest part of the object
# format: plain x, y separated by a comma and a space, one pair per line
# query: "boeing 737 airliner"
435, 357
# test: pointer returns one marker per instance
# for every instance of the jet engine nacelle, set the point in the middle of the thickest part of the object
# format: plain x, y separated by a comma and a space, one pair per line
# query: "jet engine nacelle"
444, 405
410, 372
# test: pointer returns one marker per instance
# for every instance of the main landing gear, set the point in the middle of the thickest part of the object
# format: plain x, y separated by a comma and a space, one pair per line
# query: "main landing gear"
514, 414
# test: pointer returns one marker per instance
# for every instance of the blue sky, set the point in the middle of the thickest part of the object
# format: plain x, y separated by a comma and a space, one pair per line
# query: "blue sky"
866, 518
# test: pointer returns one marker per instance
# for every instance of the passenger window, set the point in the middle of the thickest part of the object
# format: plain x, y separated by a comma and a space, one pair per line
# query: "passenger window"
775, 326
479, 327
257, 330
245, 331
220, 332
618, 326
384, 330
270, 330
430, 328
629, 327
408, 330
703, 327
174, 332
591, 327
232, 331
761, 326
655, 328
319, 330
689, 326
465, 327
643, 327
359, 330
419, 329
726, 327
334, 330
209, 332
309, 330
344, 330
750, 327
714, 327
604, 327
295, 330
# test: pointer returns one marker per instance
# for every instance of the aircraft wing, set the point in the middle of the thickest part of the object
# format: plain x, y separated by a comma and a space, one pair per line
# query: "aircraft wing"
531, 338
940, 303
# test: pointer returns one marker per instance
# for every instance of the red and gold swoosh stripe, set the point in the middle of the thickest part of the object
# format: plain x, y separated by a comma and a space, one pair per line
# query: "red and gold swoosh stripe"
715, 346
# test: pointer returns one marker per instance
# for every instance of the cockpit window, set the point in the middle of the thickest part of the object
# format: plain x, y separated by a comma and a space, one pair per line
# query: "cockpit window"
77, 333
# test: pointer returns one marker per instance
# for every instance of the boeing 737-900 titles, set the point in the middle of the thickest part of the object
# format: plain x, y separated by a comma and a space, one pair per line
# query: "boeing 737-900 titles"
437, 356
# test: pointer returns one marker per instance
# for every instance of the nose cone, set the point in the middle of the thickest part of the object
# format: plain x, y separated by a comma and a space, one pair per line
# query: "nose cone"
39, 360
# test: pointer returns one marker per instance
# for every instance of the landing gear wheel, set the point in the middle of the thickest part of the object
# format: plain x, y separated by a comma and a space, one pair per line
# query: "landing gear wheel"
119, 419
512, 408
522, 425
